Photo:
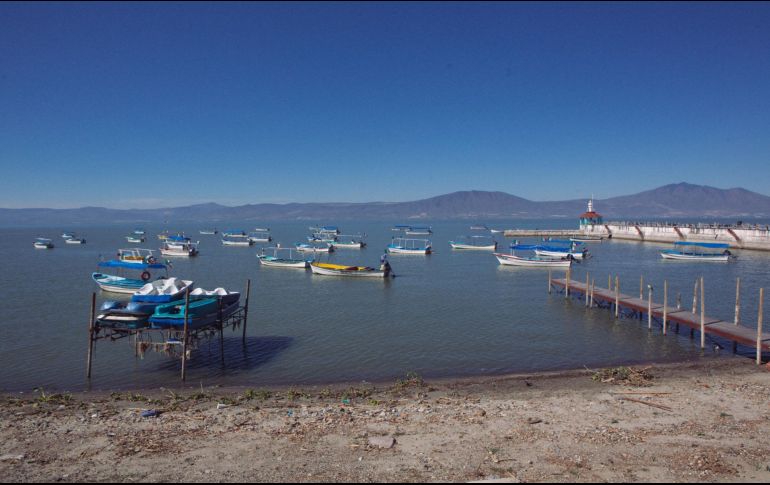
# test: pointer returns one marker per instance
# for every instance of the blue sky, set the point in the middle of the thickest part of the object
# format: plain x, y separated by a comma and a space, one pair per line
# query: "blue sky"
153, 105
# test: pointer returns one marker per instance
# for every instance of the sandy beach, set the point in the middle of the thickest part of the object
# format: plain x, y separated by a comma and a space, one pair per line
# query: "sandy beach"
704, 421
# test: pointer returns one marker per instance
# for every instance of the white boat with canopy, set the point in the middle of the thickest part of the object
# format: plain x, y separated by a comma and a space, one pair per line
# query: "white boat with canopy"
474, 243
43, 243
513, 259
349, 241
696, 251
179, 246
401, 245
282, 258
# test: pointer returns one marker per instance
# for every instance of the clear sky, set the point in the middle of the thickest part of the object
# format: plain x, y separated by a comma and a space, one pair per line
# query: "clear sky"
153, 105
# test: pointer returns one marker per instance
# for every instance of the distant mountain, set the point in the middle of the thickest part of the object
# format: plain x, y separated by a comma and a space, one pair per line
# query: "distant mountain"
671, 201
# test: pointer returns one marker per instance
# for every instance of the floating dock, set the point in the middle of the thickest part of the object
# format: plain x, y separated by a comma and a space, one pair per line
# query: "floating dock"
695, 319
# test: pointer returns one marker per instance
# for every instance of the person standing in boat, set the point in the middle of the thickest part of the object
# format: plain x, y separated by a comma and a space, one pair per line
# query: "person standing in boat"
385, 265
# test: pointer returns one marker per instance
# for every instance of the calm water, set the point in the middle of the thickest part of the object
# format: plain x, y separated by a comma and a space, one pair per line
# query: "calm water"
448, 314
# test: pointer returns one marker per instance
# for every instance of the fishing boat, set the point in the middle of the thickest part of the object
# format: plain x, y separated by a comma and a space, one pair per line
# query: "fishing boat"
419, 231
43, 243
179, 246
400, 228
135, 239
587, 239
327, 269
350, 241
330, 230
400, 245
206, 308
208, 232
75, 240
282, 258
136, 312
122, 284
67, 235
497, 231
260, 237
136, 256
513, 259
262, 229
561, 252
139, 232
324, 238
313, 248
237, 241
696, 251
474, 243
479, 227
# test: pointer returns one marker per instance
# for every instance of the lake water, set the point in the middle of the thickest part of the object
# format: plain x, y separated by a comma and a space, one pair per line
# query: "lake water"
449, 314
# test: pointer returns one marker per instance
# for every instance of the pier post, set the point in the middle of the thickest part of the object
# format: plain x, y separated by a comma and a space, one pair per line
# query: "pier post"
246, 309
695, 298
679, 300
221, 331
649, 307
759, 325
185, 332
588, 285
665, 306
617, 296
641, 287
609, 282
91, 336
738, 301
550, 278
702, 315
593, 288
566, 287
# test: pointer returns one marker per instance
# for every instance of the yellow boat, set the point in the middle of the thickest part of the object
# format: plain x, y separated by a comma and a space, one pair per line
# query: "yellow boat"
328, 269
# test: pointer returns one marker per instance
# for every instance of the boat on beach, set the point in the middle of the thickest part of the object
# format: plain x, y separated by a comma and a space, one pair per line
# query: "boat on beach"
401, 245
282, 258
474, 243
696, 251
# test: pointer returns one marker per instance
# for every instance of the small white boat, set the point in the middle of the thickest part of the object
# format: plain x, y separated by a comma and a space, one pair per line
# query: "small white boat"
587, 239
43, 243
694, 251
479, 227
400, 245
497, 231
208, 232
137, 256
282, 258
260, 237
532, 261
67, 235
75, 240
135, 239
326, 269
179, 247
419, 231
237, 241
569, 251
349, 241
474, 243
311, 248
262, 229
139, 232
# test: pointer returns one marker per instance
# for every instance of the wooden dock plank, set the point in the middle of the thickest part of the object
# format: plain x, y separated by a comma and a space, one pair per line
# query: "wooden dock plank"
714, 326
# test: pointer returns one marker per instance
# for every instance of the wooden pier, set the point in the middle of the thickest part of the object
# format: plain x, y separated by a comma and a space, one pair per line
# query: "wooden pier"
695, 318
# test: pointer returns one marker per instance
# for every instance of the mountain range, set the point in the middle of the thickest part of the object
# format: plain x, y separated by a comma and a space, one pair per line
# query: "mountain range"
671, 201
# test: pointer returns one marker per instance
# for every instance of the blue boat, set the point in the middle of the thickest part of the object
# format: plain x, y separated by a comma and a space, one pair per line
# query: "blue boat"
122, 284
136, 313
205, 309
696, 251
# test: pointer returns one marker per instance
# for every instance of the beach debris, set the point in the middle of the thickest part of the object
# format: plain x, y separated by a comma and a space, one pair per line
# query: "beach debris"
624, 376
659, 406
222, 406
534, 421
12, 457
383, 442
151, 413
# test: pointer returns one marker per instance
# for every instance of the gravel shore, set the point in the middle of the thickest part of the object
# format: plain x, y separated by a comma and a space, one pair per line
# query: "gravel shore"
704, 421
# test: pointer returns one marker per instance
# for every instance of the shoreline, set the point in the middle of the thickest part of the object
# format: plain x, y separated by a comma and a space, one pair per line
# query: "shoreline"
705, 420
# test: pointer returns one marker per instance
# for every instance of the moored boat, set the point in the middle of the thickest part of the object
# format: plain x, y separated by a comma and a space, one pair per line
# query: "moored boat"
314, 248
474, 243
135, 239
513, 259
208, 232
43, 243
75, 240
179, 246
136, 312
282, 258
419, 231
122, 284
260, 237
137, 256
327, 269
350, 241
237, 241
206, 308
400, 245
695, 251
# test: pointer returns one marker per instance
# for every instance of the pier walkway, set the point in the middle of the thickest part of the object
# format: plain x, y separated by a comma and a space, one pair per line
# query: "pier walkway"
611, 299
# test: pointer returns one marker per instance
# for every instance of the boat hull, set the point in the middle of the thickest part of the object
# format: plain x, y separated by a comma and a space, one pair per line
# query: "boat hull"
557, 254
401, 250
353, 272
510, 260
718, 258
283, 263
117, 284
471, 247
